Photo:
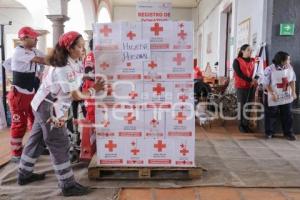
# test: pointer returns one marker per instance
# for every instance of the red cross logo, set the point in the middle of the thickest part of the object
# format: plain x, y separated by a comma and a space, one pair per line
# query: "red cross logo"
160, 146
179, 59
180, 117
71, 76
154, 123
110, 146
105, 123
131, 35
182, 35
156, 29
284, 84
184, 150
183, 98
152, 65
133, 94
130, 118
158, 89
105, 30
104, 66
135, 151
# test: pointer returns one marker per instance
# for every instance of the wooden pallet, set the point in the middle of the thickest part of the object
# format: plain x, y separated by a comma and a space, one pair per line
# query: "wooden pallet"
151, 173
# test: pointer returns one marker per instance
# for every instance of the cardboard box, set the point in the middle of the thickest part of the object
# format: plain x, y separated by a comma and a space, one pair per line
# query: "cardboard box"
181, 123
131, 31
155, 123
107, 37
183, 36
159, 152
134, 153
184, 152
112, 65
183, 93
159, 35
125, 91
157, 94
179, 66
154, 69
119, 122
110, 152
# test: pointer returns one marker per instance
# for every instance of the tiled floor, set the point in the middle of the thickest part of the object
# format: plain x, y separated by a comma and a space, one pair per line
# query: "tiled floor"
195, 193
210, 193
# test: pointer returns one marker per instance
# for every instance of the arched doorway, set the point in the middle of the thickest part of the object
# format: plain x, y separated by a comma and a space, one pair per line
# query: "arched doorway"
104, 15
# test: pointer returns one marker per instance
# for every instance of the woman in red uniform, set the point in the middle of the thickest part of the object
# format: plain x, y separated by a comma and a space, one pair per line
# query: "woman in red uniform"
243, 67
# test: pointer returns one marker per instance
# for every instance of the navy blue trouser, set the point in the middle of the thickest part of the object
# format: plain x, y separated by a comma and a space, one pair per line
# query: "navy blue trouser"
286, 118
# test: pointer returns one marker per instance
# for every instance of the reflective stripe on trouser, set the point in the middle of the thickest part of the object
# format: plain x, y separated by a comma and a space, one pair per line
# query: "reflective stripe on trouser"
57, 141
21, 115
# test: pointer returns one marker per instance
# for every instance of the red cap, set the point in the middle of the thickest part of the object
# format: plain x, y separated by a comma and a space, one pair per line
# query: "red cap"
28, 32
67, 39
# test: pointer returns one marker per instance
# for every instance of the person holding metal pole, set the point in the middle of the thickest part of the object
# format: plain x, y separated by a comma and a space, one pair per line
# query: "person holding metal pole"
243, 67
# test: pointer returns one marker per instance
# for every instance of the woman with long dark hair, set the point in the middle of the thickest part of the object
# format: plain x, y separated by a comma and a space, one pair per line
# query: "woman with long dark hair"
243, 67
279, 81
50, 105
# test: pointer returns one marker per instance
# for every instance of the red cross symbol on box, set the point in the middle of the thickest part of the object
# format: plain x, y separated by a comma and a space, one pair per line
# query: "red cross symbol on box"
184, 150
110, 146
182, 35
160, 146
158, 89
105, 30
152, 64
179, 59
180, 117
154, 123
104, 65
133, 94
130, 118
183, 98
156, 29
105, 123
131, 35
284, 84
135, 151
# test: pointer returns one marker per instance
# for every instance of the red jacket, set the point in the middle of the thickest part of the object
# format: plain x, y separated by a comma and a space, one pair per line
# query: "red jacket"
247, 69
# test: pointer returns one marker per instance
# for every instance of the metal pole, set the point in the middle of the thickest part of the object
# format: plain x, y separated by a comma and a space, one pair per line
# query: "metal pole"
3, 70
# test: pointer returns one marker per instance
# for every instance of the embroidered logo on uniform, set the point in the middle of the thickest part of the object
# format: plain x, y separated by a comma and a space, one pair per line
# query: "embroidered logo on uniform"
16, 118
71, 76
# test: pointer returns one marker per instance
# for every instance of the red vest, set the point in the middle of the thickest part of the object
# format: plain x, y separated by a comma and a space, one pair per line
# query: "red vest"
247, 68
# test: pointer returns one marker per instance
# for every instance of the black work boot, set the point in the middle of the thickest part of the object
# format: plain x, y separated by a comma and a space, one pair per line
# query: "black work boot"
75, 190
32, 178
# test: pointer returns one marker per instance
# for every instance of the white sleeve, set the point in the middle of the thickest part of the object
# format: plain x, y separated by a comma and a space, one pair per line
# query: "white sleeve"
7, 64
66, 78
23, 56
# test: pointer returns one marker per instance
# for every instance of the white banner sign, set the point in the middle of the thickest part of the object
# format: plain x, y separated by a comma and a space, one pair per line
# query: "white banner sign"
153, 11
